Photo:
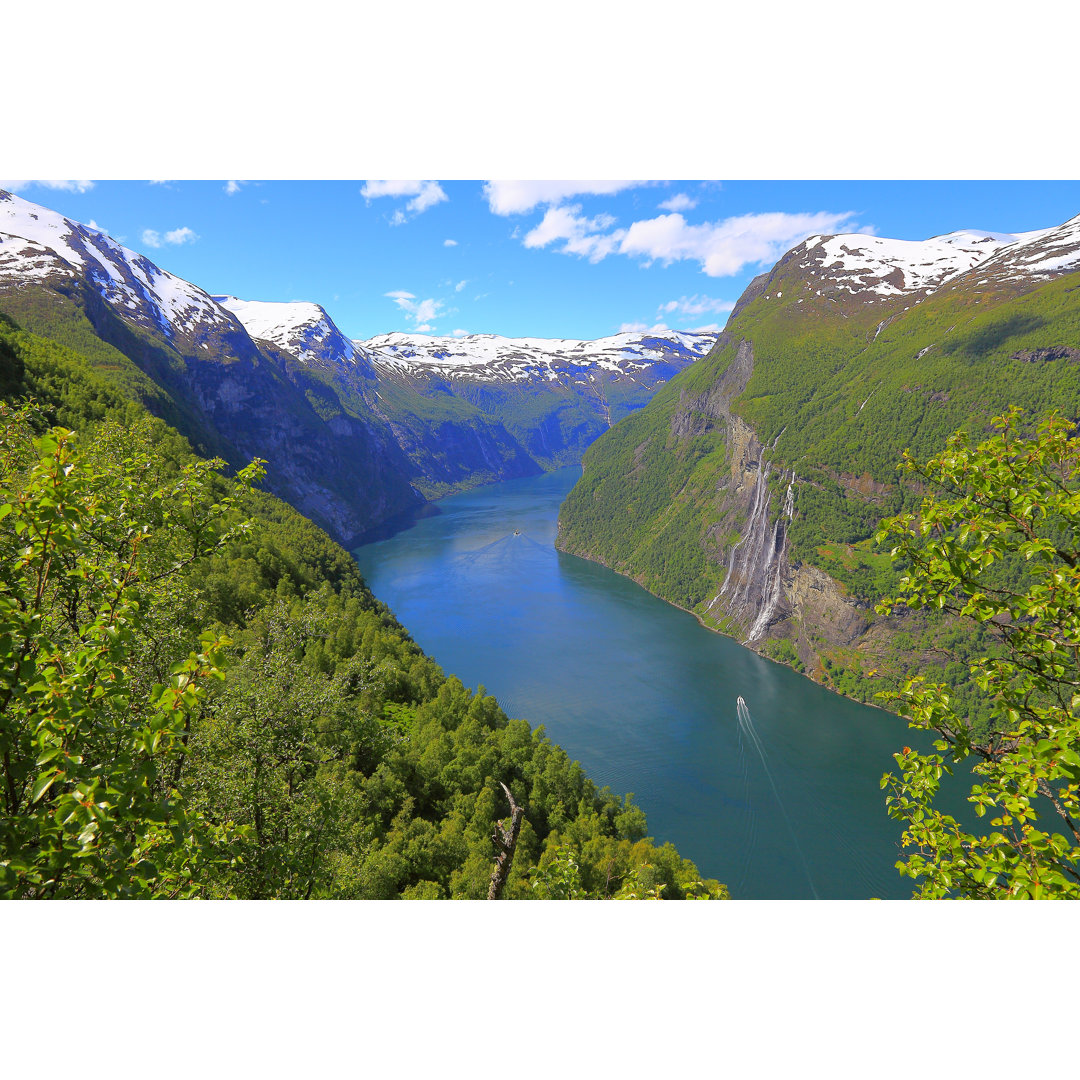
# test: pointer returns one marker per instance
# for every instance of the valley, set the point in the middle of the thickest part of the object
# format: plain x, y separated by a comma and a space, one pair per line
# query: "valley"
744, 475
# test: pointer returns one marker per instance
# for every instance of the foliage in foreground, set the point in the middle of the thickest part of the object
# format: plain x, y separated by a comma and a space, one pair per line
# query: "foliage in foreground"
997, 541
200, 696
85, 750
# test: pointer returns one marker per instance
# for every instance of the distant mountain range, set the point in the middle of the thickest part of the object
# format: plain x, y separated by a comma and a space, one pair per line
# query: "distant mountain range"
355, 433
749, 487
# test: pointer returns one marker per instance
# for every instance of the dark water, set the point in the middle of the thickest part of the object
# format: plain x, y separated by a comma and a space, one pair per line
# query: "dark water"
784, 804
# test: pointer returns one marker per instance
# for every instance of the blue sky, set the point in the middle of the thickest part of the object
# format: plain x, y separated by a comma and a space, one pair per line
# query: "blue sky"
576, 259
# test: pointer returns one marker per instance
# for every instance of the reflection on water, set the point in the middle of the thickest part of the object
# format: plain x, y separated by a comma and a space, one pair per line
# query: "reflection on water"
783, 804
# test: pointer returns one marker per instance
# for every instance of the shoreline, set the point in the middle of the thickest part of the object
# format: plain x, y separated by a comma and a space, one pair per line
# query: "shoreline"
731, 637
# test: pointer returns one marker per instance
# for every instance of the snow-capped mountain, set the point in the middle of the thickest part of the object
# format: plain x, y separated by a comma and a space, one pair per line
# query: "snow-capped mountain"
38, 246
490, 358
307, 332
302, 329
1033, 257
553, 396
877, 269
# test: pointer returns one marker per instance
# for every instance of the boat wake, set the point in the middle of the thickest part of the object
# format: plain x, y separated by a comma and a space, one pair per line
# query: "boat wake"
748, 729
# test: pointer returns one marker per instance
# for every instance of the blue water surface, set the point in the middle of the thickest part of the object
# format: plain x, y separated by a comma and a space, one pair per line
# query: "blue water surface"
783, 804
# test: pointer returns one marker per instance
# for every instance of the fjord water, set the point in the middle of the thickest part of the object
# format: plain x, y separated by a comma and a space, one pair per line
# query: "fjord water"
778, 798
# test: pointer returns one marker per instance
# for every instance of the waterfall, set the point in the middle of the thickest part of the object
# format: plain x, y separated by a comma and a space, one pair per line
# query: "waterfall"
772, 571
753, 587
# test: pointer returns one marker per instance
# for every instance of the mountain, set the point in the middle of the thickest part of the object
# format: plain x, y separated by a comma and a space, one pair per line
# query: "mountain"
355, 434
481, 407
188, 359
553, 396
748, 489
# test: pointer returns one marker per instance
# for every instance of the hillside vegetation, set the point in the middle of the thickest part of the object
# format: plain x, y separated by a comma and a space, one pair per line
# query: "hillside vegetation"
200, 696
829, 394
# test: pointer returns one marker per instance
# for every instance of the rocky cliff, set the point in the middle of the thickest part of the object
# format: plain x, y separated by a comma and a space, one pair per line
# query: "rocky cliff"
749, 489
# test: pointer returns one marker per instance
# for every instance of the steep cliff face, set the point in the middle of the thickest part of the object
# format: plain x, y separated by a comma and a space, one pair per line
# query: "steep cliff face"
192, 362
749, 489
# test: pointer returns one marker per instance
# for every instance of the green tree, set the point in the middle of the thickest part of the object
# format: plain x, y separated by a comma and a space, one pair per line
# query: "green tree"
87, 748
997, 540
263, 754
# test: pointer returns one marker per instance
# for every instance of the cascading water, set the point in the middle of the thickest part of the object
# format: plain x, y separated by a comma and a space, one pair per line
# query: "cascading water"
753, 587
772, 570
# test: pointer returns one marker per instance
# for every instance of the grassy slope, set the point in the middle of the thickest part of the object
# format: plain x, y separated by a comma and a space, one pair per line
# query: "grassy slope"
423, 800
842, 402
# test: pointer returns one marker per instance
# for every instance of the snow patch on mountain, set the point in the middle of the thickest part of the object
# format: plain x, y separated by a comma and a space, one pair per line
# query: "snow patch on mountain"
303, 329
887, 268
876, 267
489, 357
1040, 254
36, 243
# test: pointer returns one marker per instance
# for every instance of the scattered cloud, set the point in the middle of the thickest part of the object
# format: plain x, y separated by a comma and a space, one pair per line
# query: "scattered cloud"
507, 197
679, 202
449, 243
643, 328
725, 247
695, 305
184, 235
460, 285
422, 312
582, 235
233, 186
722, 248
181, 236
79, 187
425, 194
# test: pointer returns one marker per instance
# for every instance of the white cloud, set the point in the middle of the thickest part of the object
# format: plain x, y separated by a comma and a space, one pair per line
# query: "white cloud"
461, 333
519, 196
184, 235
425, 194
725, 247
449, 243
233, 186
79, 187
722, 248
679, 202
422, 312
583, 235
695, 305
643, 328
460, 285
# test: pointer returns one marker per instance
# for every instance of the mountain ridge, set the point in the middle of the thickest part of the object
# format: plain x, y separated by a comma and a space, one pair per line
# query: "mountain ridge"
748, 489
353, 436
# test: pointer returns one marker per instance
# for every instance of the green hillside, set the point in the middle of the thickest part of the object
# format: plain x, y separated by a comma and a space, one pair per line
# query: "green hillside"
209, 701
830, 393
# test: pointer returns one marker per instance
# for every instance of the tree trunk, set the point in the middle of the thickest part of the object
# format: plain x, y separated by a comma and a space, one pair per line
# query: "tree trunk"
505, 842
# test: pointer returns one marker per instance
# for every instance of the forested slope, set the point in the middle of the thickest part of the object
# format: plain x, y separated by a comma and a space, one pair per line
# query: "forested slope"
750, 488
200, 696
